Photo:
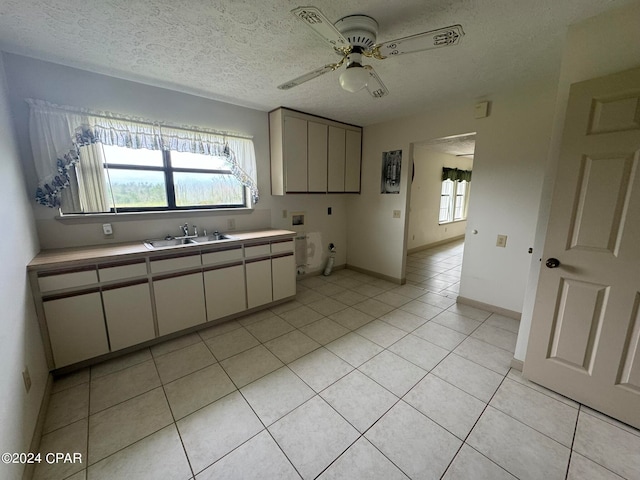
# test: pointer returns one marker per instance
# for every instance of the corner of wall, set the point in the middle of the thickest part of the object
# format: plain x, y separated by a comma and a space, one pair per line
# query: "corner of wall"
20, 344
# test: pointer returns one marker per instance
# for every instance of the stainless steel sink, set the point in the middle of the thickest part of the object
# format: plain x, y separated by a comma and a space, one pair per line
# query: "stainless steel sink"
175, 242
210, 238
169, 242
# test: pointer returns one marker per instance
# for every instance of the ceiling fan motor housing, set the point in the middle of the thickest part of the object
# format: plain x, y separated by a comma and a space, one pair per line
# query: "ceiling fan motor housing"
360, 30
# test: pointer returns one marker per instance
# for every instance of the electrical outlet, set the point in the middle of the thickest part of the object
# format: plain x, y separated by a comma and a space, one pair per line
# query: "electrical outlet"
396, 214
27, 379
501, 241
231, 224
107, 229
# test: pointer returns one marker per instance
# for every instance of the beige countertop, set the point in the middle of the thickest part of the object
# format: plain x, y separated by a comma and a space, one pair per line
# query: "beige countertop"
63, 257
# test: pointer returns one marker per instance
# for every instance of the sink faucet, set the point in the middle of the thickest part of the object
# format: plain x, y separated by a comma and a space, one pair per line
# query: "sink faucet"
195, 231
185, 229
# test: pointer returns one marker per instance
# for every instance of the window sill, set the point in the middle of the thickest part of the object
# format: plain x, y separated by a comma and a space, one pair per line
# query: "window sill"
80, 218
452, 221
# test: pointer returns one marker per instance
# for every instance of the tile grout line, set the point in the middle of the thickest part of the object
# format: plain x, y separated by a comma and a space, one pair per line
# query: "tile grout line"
464, 441
545, 392
175, 423
573, 440
581, 411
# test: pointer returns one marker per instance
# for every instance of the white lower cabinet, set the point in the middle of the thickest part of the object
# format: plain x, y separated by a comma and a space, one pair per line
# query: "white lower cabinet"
225, 291
117, 305
258, 275
179, 302
283, 276
129, 315
76, 328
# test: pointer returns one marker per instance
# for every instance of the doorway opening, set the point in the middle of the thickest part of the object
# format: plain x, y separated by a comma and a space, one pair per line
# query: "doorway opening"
438, 205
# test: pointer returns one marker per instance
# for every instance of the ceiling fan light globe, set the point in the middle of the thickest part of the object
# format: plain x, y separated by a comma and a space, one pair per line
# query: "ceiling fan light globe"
354, 79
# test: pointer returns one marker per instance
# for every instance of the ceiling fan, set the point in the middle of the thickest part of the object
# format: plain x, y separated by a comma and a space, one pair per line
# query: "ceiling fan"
354, 37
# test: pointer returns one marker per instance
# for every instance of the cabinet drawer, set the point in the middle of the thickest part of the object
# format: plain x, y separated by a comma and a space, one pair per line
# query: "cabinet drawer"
67, 280
257, 250
221, 256
118, 272
284, 246
175, 263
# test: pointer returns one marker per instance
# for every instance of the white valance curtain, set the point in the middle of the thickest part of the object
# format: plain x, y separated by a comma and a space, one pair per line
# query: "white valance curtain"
58, 132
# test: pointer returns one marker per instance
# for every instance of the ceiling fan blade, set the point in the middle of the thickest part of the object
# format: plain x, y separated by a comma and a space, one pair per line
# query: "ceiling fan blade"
309, 76
442, 37
315, 19
374, 85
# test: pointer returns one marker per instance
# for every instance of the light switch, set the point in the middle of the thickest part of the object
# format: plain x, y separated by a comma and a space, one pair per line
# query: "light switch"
501, 241
481, 110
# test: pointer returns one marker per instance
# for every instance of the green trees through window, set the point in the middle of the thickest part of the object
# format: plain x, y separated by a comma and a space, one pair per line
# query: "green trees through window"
139, 180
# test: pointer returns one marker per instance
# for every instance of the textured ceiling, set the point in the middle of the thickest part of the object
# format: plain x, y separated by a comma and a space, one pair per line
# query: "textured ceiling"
460, 145
238, 51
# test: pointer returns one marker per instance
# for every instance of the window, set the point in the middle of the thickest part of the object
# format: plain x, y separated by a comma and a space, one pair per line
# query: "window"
118, 163
148, 180
453, 201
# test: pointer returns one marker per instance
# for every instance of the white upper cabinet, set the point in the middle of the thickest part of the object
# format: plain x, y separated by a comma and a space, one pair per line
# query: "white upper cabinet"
295, 154
313, 155
317, 157
353, 155
335, 180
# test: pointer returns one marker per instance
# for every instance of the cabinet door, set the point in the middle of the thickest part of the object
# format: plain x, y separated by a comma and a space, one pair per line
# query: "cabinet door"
283, 274
336, 159
225, 291
258, 274
317, 155
129, 315
353, 156
179, 302
76, 328
295, 154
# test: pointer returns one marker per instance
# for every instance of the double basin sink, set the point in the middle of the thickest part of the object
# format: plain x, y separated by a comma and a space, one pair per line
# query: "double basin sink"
174, 242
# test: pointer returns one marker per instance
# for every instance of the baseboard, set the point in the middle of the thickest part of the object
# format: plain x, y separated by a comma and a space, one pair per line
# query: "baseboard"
490, 308
399, 281
434, 244
149, 343
517, 364
316, 273
29, 468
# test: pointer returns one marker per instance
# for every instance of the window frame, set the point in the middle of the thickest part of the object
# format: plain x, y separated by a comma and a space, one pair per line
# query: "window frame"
453, 203
168, 170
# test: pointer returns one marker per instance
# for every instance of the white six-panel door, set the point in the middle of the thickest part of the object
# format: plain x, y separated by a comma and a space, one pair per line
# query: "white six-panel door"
585, 333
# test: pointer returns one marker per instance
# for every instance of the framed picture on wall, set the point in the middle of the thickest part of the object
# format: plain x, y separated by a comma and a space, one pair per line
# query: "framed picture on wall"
390, 178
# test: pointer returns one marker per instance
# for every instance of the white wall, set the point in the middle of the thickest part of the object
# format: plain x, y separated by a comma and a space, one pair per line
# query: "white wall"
376, 240
424, 205
63, 85
20, 342
599, 46
511, 149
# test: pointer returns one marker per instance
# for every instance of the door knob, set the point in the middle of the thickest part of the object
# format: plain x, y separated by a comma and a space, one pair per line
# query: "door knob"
552, 263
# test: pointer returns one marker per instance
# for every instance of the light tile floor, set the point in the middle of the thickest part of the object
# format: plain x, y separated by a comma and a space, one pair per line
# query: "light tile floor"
358, 378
